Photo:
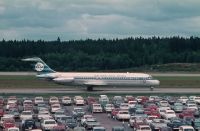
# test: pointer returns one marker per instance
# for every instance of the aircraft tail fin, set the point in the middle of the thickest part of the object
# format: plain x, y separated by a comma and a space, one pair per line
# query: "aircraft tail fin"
40, 66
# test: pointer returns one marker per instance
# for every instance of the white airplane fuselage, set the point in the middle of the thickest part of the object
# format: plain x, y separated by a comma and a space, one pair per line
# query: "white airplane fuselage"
102, 79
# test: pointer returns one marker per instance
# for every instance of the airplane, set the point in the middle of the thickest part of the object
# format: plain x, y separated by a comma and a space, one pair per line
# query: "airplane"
93, 79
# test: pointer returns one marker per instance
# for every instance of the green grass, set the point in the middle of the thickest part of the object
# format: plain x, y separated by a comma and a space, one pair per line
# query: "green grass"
25, 82
179, 81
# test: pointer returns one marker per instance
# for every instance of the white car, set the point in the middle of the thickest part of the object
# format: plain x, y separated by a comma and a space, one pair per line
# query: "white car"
143, 128
48, 124
124, 106
197, 99
13, 129
53, 100
66, 100
123, 115
59, 113
161, 110
55, 107
163, 103
84, 118
152, 98
10, 103
192, 106
38, 99
186, 128
131, 104
103, 98
109, 107
78, 100
96, 108
183, 99
26, 115
12, 100
168, 114
44, 114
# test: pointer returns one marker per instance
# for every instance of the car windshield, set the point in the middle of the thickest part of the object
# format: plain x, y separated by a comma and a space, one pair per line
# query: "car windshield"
30, 122
66, 118
99, 129
13, 130
170, 112
50, 122
188, 130
59, 113
197, 123
92, 120
26, 113
145, 128
79, 110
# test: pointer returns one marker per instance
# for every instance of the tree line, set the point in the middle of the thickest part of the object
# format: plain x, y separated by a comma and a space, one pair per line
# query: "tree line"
100, 54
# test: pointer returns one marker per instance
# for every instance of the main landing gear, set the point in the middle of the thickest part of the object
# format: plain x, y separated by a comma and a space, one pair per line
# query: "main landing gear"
89, 88
151, 88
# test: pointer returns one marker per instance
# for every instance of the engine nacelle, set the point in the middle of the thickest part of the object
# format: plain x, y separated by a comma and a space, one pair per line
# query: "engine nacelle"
63, 80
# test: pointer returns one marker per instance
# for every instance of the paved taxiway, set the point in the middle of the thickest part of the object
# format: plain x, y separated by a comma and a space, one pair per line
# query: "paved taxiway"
100, 90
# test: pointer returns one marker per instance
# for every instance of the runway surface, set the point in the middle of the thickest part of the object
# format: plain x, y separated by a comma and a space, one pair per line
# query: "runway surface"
98, 90
101, 90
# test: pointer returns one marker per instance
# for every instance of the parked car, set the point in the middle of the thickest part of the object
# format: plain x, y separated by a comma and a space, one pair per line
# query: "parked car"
26, 115
28, 124
108, 108
68, 121
38, 99
186, 128
90, 123
78, 112
66, 100
48, 124
196, 124
78, 100
156, 124
79, 129
97, 108
84, 118
99, 128
175, 124
123, 115
118, 128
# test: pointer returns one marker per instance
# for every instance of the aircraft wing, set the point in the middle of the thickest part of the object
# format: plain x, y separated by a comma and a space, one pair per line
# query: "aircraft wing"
95, 83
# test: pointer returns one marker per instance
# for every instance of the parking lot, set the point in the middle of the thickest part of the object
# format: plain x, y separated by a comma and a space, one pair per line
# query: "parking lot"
106, 111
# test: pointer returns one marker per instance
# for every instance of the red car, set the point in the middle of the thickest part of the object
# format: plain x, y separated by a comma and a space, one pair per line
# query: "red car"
91, 100
1, 102
186, 113
155, 113
114, 112
152, 106
128, 98
147, 111
1, 112
8, 123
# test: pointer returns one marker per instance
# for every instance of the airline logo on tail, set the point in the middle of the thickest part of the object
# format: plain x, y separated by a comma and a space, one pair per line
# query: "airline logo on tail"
39, 66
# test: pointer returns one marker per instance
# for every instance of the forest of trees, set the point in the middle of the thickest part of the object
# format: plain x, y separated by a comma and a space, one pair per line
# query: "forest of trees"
101, 54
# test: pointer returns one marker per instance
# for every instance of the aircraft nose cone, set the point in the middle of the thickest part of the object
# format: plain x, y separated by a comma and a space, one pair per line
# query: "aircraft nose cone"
157, 82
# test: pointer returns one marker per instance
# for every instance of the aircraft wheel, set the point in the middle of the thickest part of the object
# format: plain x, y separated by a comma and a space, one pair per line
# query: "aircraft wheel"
89, 88
151, 88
